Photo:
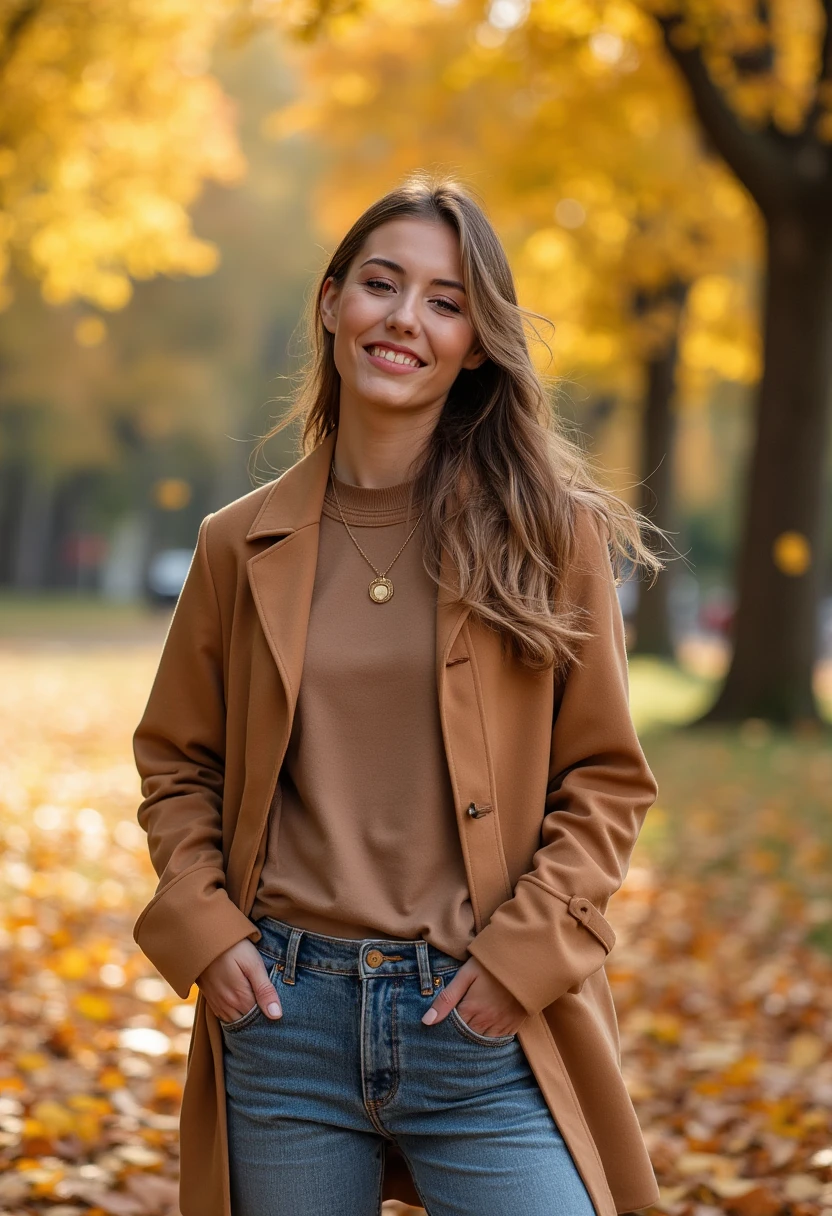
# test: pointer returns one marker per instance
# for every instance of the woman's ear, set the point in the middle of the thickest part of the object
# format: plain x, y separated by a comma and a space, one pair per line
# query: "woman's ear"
329, 304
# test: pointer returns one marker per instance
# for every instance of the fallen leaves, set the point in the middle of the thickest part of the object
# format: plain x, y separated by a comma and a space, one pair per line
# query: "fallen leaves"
92, 1041
721, 973
723, 997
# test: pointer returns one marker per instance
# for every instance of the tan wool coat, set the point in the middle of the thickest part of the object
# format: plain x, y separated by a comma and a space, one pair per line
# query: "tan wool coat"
550, 788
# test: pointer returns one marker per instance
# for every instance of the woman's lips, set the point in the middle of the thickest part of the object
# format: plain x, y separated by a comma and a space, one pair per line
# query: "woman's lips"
398, 369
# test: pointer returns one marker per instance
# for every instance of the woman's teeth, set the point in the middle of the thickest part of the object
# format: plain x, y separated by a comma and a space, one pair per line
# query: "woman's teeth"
393, 356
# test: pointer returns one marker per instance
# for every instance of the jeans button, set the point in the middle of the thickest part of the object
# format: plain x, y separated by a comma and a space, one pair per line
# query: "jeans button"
374, 958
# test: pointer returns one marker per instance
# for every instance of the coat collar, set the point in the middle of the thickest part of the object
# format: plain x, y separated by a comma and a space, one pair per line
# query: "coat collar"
297, 496
282, 576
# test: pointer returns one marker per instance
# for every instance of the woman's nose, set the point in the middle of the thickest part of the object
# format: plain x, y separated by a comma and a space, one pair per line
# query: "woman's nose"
404, 316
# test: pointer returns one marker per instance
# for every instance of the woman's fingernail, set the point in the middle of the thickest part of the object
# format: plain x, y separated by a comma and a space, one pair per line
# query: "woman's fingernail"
430, 1017
274, 1010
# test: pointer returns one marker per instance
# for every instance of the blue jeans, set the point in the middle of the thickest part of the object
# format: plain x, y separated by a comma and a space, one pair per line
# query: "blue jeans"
313, 1098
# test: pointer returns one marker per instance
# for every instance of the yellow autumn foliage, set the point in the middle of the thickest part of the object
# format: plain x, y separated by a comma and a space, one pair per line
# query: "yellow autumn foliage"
112, 121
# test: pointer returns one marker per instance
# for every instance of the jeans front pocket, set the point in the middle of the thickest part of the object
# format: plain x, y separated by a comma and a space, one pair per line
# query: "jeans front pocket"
465, 1031
251, 1015
491, 1040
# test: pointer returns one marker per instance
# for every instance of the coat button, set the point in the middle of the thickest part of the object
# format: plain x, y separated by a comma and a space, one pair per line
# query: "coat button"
477, 812
375, 958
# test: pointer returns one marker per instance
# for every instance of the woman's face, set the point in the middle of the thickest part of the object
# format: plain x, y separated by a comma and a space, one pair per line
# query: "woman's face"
403, 300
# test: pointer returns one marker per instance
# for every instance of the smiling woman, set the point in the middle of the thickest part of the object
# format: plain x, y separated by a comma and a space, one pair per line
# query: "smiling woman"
421, 296
388, 812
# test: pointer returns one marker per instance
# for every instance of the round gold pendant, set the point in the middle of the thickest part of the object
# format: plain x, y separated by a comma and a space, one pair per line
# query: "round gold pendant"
381, 590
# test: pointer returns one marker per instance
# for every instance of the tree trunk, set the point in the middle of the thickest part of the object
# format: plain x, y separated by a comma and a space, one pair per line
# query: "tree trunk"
12, 480
34, 523
775, 628
652, 621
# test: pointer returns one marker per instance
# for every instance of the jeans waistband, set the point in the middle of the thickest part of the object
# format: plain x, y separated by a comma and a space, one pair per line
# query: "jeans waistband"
364, 957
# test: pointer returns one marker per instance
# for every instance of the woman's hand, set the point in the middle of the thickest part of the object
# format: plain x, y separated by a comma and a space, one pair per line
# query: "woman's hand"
489, 1008
236, 980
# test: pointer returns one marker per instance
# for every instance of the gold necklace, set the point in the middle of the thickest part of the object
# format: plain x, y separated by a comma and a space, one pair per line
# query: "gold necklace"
381, 588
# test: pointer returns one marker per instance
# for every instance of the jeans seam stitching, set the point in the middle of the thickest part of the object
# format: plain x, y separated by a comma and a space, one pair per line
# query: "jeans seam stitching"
336, 971
377, 1103
415, 1183
237, 1024
367, 1101
395, 1026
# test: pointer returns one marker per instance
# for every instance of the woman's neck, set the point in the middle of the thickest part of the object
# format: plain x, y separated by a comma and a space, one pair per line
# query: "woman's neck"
376, 457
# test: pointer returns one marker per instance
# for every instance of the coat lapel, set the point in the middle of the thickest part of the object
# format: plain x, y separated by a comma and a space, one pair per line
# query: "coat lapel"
282, 576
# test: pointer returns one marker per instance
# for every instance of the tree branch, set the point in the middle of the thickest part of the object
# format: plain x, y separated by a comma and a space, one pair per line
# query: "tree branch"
752, 155
817, 107
15, 27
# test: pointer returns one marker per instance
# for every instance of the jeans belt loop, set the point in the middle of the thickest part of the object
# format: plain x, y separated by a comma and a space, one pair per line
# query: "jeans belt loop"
291, 955
425, 976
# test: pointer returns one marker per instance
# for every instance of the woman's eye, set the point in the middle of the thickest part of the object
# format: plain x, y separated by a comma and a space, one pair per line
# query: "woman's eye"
447, 305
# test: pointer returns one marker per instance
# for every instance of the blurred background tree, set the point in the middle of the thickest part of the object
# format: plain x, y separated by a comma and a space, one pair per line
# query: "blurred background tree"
612, 219
637, 160
760, 80
132, 354
757, 82
111, 124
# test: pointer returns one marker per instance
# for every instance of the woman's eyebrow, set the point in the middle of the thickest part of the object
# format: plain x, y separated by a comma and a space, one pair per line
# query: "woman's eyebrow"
401, 270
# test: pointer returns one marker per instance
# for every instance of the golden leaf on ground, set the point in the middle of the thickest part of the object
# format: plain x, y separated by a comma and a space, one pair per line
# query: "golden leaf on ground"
97, 1008
802, 1186
806, 1050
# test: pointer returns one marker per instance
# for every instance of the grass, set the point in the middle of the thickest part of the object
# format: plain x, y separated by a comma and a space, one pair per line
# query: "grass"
70, 617
740, 807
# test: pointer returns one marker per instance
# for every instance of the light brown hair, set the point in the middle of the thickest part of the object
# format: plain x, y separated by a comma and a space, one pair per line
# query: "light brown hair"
499, 478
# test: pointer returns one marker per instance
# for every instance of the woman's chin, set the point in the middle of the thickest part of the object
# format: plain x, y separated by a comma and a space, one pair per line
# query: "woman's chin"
375, 391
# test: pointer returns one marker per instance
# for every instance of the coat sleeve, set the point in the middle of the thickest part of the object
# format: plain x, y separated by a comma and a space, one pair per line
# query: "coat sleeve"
179, 749
552, 934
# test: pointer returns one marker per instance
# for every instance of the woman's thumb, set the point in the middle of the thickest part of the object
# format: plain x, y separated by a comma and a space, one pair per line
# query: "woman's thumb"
266, 994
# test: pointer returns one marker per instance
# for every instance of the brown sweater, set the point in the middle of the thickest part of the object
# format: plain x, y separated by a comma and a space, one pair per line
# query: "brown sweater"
366, 842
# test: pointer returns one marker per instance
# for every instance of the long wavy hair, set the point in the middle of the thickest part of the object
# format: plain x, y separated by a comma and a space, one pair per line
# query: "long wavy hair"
499, 478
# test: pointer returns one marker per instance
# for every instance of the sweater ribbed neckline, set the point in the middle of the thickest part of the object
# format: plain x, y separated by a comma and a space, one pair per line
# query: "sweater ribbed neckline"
371, 506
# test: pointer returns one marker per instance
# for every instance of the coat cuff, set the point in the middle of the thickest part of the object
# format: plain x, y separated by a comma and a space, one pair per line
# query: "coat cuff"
543, 943
188, 924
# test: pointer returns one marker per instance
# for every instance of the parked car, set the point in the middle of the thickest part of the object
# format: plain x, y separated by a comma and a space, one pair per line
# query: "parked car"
166, 574
716, 614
